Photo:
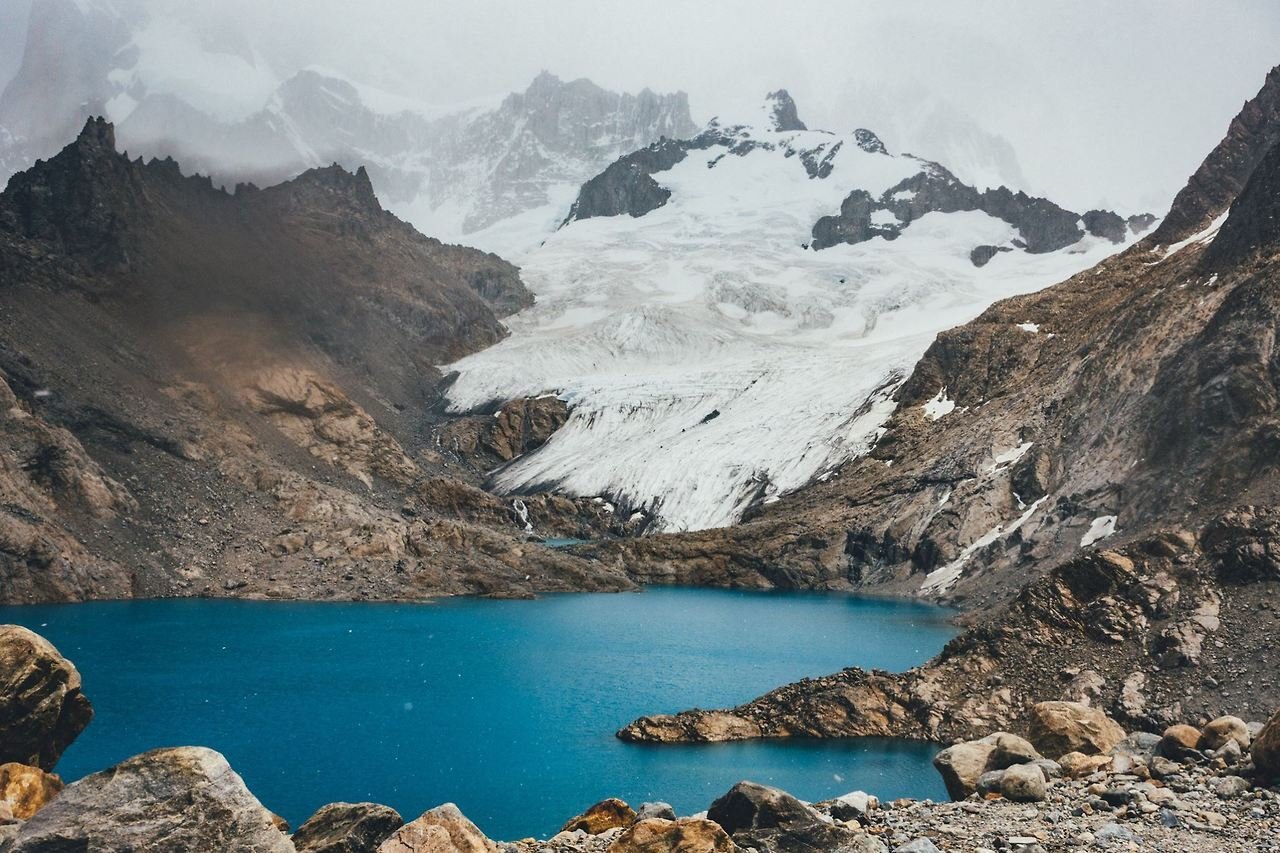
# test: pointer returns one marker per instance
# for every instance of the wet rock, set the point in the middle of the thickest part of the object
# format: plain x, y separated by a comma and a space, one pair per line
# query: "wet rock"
1023, 783
1057, 728
27, 789
41, 707
347, 828
604, 815
1217, 733
444, 829
180, 799
686, 835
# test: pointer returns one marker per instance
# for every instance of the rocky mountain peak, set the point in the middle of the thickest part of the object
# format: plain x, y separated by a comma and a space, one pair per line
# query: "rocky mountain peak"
1254, 222
333, 184
869, 142
1223, 174
780, 108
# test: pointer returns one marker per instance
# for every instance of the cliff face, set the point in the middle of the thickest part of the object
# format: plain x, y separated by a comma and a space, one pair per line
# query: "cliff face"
213, 393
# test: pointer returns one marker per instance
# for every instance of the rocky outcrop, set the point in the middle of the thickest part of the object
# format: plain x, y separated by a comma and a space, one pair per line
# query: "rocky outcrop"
42, 708
347, 828
260, 369
780, 109
183, 799
1043, 225
601, 817
444, 829
1224, 173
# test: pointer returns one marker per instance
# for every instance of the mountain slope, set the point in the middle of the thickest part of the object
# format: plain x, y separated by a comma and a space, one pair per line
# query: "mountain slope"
1137, 393
208, 393
1102, 496
729, 315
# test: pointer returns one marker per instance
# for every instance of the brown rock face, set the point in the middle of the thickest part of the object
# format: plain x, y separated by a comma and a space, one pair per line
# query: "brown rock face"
604, 815
444, 829
1266, 748
686, 835
347, 828
185, 800
41, 707
27, 789
1057, 728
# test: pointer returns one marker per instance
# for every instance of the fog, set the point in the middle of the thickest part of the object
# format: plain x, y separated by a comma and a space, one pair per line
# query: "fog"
1105, 104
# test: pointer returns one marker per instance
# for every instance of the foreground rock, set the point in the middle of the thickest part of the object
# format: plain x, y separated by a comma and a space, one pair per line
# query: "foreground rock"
604, 815
963, 764
1057, 728
347, 828
41, 707
683, 835
26, 790
444, 829
185, 800
772, 821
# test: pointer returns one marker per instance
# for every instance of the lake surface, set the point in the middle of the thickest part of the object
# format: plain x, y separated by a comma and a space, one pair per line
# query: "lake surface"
507, 708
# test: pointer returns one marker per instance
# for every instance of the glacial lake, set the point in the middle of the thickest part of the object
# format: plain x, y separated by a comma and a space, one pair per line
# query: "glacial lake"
507, 708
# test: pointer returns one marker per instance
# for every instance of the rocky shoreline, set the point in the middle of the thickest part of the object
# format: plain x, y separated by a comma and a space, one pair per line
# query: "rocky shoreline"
1078, 780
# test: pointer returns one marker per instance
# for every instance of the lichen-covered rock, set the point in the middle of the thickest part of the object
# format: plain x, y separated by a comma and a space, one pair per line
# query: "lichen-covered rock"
347, 828
604, 815
1057, 728
27, 789
180, 800
444, 829
686, 835
42, 709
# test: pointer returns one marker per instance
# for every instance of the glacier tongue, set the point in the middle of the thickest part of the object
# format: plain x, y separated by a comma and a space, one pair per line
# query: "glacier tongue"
713, 359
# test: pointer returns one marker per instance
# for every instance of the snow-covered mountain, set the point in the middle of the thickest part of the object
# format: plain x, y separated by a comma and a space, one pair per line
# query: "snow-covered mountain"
713, 356
209, 99
909, 117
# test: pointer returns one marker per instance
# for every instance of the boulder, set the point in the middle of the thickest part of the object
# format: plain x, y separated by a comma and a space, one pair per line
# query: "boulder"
347, 828
962, 764
686, 835
444, 829
773, 821
604, 815
853, 806
1023, 783
1057, 728
27, 789
918, 845
661, 811
184, 800
1266, 748
989, 783
1077, 765
41, 707
1179, 741
1217, 733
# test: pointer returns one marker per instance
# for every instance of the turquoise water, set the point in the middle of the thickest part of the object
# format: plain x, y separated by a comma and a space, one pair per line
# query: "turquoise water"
564, 542
507, 708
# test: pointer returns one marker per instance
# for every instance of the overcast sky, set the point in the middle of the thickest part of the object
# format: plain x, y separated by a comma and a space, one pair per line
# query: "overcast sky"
1103, 101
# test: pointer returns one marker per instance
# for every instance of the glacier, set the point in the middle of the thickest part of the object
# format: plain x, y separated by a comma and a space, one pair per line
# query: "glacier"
711, 357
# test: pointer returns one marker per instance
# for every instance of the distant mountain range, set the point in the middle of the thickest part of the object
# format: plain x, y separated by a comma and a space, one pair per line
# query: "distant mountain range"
452, 172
